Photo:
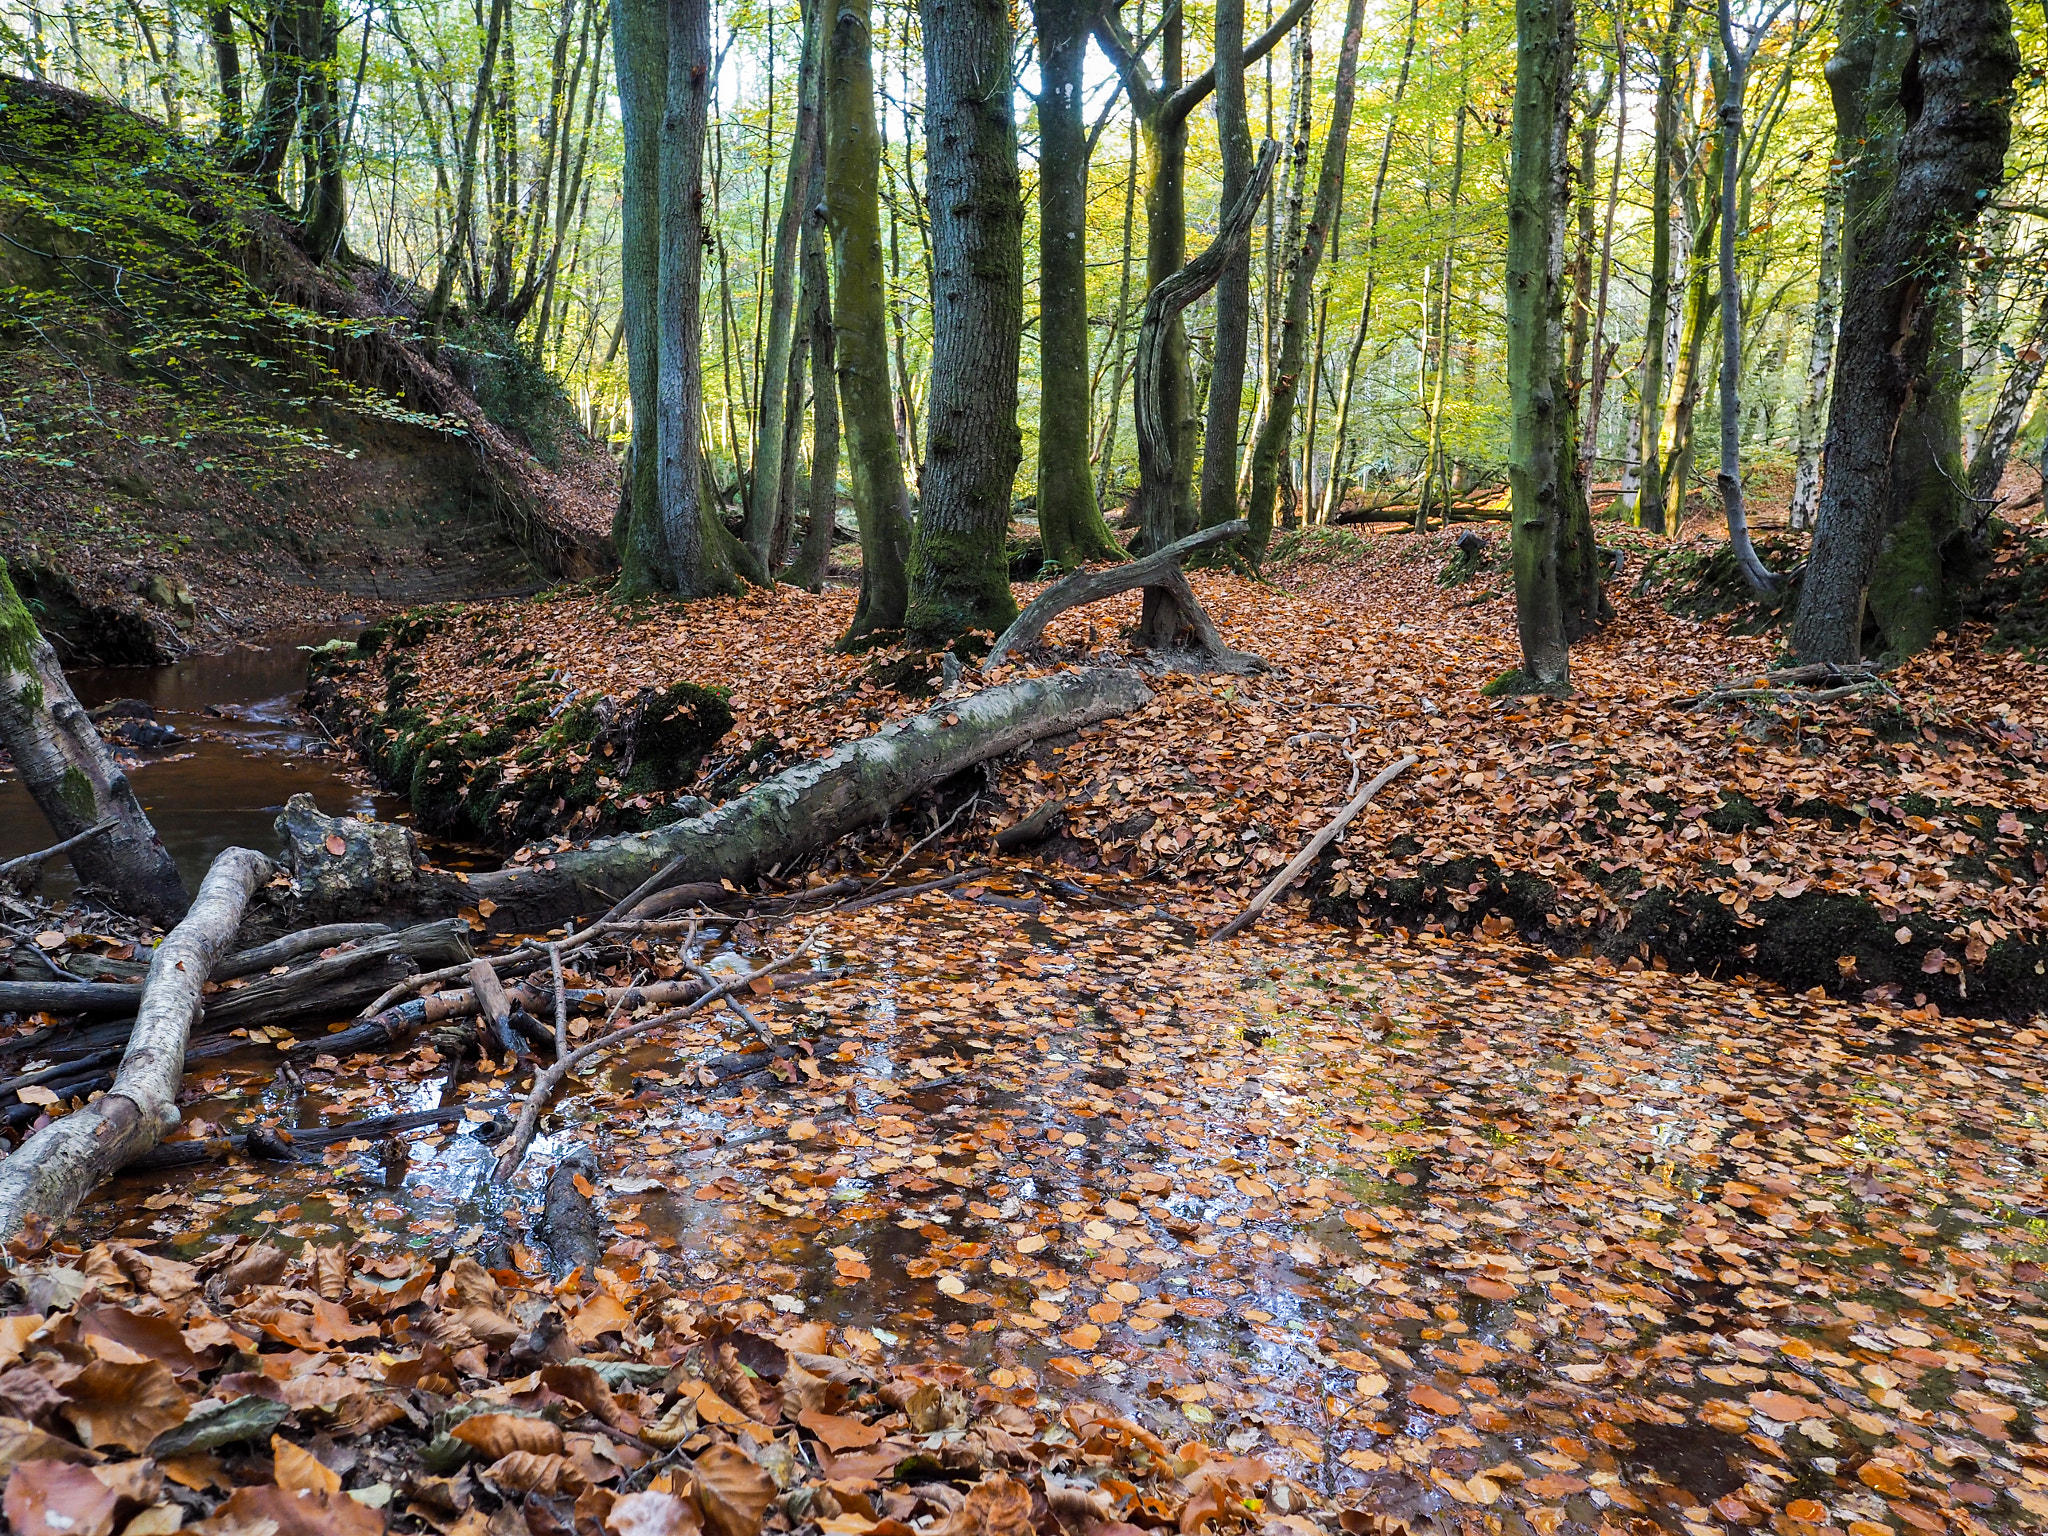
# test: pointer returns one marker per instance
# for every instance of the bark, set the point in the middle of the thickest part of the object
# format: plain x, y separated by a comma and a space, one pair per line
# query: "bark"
1926, 556
1603, 354
1949, 159
59, 1166
1649, 504
1545, 43
1434, 470
853, 159
1274, 432
1234, 287
1994, 443
227, 64
1159, 625
1736, 60
1161, 567
569, 1222
1820, 359
959, 572
1069, 515
770, 440
74, 779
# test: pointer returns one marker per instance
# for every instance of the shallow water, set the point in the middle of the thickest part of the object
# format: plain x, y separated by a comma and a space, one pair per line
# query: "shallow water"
246, 751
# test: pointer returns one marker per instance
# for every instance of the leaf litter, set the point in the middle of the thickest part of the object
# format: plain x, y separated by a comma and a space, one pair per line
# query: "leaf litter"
1054, 1217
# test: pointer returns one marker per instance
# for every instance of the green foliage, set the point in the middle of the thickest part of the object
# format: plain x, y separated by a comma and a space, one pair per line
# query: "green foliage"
515, 391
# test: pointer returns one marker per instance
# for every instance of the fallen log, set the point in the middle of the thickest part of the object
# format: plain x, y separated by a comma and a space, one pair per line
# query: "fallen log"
190, 1154
100, 997
58, 1166
1034, 828
307, 941
1161, 568
815, 803
336, 984
569, 1223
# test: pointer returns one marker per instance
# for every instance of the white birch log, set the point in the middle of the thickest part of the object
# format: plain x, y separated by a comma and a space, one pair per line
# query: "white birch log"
59, 1165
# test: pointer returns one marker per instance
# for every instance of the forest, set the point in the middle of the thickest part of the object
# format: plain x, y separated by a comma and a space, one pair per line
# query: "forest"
939, 769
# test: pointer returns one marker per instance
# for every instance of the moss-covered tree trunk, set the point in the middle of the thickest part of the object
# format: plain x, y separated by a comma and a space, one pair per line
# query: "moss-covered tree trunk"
959, 573
1069, 517
73, 778
1926, 558
1538, 194
853, 164
1950, 158
1269, 453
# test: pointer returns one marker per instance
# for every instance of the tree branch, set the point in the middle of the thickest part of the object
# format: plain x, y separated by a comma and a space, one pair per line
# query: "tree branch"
1192, 95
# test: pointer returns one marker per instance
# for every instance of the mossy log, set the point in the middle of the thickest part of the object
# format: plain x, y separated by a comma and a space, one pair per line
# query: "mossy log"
792, 814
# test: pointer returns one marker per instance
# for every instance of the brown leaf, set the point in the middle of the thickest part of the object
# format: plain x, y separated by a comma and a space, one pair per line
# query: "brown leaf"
336, 844
529, 1472
300, 1470
155, 1337
328, 1273
733, 1491
1785, 1408
602, 1314
998, 1505
581, 1384
55, 1498
839, 1432
269, 1510
498, 1435
652, 1514
1431, 1400
259, 1266
468, 1284
109, 1403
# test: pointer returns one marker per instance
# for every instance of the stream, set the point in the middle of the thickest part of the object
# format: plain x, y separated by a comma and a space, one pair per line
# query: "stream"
244, 750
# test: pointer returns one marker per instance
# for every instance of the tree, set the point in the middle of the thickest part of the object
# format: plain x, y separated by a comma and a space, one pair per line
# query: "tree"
1820, 364
1736, 58
1234, 285
1276, 430
1949, 160
959, 574
1649, 504
1161, 105
765, 485
1070, 520
853, 162
74, 779
667, 534
1538, 195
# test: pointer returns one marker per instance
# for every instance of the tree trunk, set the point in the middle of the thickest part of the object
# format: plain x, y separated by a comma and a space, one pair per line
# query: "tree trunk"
678, 317
816, 554
227, 64
73, 778
1538, 193
1994, 443
1649, 504
1069, 516
1602, 354
59, 1166
1234, 287
1952, 154
1335, 493
765, 483
464, 211
1434, 470
813, 804
853, 161
1729, 478
1820, 358
1926, 556
1271, 449
959, 573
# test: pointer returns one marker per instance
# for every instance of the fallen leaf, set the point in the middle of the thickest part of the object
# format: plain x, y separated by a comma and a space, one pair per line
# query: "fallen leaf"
839, 1432
300, 1470
497, 1435
651, 1514
56, 1498
733, 1491
109, 1403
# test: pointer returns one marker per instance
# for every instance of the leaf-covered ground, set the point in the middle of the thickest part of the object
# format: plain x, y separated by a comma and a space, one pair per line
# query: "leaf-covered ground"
1389, 1211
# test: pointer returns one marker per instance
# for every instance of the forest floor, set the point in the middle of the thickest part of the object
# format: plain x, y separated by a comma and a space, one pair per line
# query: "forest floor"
1457, 1192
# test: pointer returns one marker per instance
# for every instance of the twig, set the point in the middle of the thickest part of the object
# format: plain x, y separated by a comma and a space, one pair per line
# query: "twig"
766, 1034
547, 1082
905, 892
904, 857
36, 860
1316, 845
561, 1002
1720, 696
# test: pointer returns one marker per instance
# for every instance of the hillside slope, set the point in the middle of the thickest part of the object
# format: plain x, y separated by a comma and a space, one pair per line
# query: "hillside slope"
204, 434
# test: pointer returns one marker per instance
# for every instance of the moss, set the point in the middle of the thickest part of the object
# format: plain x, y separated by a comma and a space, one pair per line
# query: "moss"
959, 583
1513, 683
75, 790
1736, 813
18, 633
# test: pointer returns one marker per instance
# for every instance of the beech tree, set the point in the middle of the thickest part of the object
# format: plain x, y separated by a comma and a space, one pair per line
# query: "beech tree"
1955, 99
959, 575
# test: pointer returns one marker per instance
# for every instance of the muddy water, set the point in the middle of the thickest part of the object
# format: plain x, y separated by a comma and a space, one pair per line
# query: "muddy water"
246, 750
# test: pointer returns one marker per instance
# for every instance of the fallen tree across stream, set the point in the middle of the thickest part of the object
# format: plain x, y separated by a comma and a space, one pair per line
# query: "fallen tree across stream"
798, 811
